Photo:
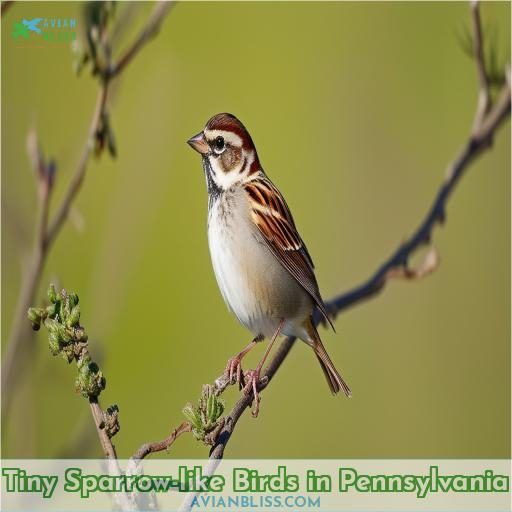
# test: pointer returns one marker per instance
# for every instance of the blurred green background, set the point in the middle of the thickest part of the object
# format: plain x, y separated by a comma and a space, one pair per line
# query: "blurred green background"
356, 110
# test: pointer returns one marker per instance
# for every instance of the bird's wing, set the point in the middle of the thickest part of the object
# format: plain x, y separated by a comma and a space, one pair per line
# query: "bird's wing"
275, 223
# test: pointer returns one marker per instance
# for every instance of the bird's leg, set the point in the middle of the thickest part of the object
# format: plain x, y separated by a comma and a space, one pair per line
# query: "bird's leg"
253, 376
234, 366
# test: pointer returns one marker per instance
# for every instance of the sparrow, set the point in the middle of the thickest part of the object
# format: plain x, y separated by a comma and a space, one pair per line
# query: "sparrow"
262, 266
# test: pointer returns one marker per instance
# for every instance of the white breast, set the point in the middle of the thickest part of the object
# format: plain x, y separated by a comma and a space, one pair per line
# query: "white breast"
255, 287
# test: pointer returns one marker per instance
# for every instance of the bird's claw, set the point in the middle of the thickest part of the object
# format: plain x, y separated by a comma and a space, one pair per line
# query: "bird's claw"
234, 371
252, 378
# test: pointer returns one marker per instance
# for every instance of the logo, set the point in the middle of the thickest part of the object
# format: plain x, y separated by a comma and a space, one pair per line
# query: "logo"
49, 30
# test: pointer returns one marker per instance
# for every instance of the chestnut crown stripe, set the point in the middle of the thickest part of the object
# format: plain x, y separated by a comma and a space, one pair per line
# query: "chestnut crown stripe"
229, 123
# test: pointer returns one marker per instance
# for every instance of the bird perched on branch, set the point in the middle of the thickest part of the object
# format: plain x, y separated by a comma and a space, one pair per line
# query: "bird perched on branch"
263, 268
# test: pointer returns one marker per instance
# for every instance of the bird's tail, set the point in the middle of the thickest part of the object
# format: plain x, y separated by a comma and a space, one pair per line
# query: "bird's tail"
334, 379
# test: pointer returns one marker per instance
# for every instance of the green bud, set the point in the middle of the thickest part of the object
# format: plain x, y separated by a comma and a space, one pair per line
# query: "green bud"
111, 143
52, 310
90, 381
33, 315
210, 407
52, 294
80, 335
64, 335
68, 353
74, 317
198, 434
83, 361
73, 299
192, 415
112, 420
53, 326
65, 311
53, 343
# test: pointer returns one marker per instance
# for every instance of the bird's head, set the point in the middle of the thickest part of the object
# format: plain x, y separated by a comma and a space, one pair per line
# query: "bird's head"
229, 155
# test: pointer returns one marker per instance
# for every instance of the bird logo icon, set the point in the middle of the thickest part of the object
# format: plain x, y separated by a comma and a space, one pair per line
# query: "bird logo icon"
24, 28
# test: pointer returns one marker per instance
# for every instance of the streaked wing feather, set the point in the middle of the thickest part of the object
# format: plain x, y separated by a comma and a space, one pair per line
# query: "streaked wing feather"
277, 227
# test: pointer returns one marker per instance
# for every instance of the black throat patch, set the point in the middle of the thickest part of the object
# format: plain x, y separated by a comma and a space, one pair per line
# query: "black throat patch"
214, 191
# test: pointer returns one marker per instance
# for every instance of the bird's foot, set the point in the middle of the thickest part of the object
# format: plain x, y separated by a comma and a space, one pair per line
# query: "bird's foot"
252, 378
234, 371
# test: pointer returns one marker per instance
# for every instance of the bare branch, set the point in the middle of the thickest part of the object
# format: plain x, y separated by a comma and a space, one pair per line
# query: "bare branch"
159, 446
99, 420
20, 330
436, 215
479, 56
79, 174
149, 31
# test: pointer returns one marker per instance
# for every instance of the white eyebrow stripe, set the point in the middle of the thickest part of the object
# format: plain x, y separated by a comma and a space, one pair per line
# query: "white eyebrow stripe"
229, 137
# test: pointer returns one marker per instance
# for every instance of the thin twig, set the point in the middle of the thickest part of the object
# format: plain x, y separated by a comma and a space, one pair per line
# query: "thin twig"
159, 446
474, 146
20, 330
99, 420
20, 334
484, 98
150, 30
79, 174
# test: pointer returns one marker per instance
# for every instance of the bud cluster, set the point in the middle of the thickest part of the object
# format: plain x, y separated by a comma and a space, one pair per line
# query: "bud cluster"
67, 338
206, 417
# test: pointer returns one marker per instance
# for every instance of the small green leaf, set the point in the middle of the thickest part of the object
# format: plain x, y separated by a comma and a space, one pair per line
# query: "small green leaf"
191, 414
52, 294
74, 316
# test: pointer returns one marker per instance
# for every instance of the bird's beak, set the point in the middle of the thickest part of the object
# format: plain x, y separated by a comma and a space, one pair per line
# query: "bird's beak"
198, 142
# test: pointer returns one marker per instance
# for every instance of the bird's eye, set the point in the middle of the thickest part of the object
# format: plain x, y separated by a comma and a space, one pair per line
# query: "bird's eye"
219, 144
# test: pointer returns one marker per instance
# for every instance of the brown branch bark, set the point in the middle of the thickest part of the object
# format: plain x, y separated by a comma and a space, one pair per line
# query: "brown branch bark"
109, 449
148, 32
76, 181
20, 335
484, 97
159, 446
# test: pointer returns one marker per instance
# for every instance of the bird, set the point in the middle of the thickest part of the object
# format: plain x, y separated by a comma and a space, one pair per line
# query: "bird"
262, 266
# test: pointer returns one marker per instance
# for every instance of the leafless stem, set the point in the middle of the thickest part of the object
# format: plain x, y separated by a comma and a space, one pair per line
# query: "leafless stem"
20, 334
150, 30
97, 413
473, 147
20, 330
478, 54
159, 446
76, 181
